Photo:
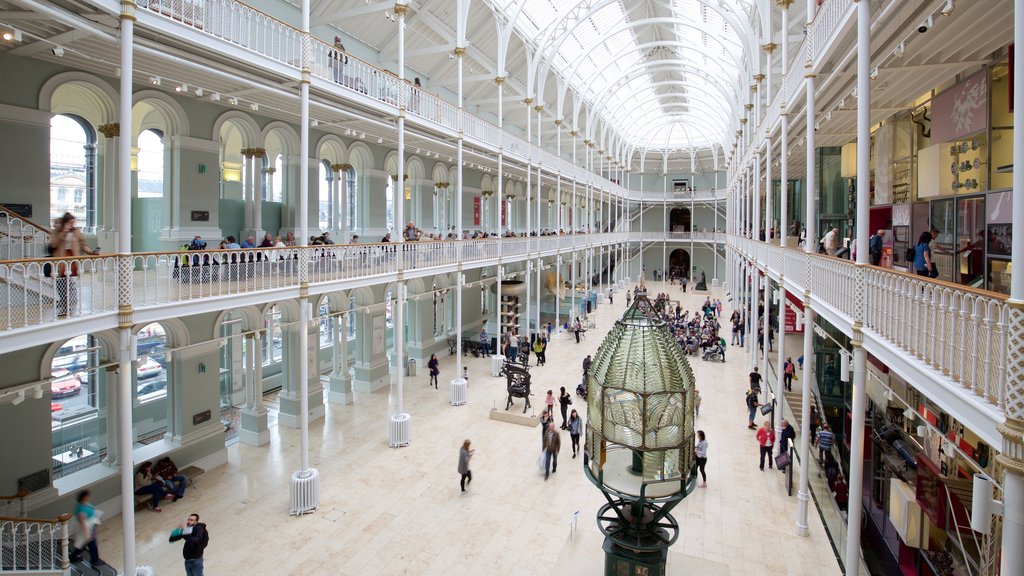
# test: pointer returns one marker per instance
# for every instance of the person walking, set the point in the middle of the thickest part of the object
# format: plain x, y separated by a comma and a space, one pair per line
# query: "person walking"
766, 438
552, 445
435, 371
814, 422
88, 519
702, 457
685, 282
923, 263
826, 438
196, 538
576, 327
564, 400
545, 420
610, 293
465, 453
788, 369
549, 402
755, 380
696, 403
575, 429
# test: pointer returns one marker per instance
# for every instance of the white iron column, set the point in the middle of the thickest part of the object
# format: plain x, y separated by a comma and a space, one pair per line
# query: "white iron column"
804, 494
860, 355
1012, 454
460, 51
395, 436
499, 216
124, 246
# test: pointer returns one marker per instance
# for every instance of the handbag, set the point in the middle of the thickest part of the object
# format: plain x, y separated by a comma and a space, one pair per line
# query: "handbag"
766, 409
782, 460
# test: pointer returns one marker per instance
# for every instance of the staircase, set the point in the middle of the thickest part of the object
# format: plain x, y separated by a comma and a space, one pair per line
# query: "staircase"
21, 239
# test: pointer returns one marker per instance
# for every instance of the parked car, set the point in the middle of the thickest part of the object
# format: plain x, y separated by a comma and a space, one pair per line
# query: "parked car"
148, 368
71, 361
64, 384
151, 387
56, 406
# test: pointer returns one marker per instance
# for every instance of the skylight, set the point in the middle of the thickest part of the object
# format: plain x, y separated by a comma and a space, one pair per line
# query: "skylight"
662, 74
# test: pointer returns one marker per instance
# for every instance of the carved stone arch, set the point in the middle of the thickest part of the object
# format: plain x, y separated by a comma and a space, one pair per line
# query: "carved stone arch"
364, 296
174, 329
285, 134
440, 172
414, 168
250, 315
109, 346
332, 149
81, 94
289, 310
360, 156
336, 301
391, 163
155, 109
417, 286
487, 182
250, 132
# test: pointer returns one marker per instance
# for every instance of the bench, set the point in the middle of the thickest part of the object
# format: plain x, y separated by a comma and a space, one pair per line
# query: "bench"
191, 472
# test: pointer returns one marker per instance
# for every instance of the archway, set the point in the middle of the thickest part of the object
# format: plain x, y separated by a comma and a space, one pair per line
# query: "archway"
679, 262
679, 220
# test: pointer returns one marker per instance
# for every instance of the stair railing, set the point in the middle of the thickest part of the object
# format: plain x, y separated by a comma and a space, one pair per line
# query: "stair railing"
34, 545
17, 497
21, 238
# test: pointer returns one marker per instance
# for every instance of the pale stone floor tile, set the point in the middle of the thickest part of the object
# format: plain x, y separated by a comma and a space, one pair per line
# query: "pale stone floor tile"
399, 511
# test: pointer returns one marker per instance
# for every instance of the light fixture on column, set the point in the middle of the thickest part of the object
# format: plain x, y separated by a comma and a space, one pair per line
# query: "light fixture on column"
182, 88
947, 9
199, 92
984, 506
18, 398
215, 97
874, 73
254, 107
155, 80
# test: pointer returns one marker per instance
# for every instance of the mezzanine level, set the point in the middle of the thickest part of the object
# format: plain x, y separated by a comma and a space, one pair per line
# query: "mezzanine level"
949, 341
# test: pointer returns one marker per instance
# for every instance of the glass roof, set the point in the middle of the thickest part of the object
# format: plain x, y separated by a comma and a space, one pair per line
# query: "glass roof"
660, 72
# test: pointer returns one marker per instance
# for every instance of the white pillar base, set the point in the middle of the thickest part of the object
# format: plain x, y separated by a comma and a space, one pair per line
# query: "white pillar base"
305, 492
400, 430
460, 391
803, 499
339, 389
253, 427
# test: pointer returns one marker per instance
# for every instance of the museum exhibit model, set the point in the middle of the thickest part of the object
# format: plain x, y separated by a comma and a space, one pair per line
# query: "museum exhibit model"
640, 440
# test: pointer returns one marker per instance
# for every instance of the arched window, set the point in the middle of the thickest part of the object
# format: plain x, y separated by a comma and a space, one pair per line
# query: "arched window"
389, 205
277, 179
273, 342
73, 169
151, 164
326, 325
351, 193
351, 325
151, 381
76, 420
326, 205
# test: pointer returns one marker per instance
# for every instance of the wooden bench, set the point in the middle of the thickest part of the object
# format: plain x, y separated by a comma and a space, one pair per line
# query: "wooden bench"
191, 472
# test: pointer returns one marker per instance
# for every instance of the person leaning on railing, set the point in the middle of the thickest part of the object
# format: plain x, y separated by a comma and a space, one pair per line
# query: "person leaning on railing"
66, 241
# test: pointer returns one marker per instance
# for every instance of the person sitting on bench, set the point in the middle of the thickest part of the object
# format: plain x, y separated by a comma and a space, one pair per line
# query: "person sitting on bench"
174, 482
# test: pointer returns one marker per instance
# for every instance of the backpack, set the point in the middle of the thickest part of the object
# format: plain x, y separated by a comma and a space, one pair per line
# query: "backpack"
910, 254
206, 537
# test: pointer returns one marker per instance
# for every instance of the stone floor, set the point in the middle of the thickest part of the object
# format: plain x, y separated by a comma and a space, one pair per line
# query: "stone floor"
400, 511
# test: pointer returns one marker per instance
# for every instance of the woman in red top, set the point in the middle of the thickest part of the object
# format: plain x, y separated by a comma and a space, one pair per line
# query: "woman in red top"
766, 438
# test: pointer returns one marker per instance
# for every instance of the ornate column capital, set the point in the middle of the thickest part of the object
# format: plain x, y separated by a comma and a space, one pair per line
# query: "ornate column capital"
558, 122
769, 47
337, 167
401, 9
499, 80
111, 130
539, 108
527, 101
459, 52
758, 78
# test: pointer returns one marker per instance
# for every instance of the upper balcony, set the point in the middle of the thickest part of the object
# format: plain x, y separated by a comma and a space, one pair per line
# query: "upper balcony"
39, 295
948, 340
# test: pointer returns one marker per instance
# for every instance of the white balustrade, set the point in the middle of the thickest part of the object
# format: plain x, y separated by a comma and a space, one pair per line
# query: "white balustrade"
20, 238
44, 290
30, 546
959, 331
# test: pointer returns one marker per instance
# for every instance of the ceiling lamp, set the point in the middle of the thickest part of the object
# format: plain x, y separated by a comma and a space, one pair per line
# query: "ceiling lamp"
182, 88
215, 97
155, 80
947, 9
12, 35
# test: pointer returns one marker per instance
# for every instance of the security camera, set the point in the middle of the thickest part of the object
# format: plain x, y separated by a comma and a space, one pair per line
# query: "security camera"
928, 23
58, 51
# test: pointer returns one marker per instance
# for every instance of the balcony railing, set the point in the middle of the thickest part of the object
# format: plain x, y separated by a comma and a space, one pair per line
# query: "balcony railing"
958, 331
248, 28
20, 238
34, 546
46, 290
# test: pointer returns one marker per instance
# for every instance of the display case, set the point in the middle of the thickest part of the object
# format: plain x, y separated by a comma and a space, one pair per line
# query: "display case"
509, 313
